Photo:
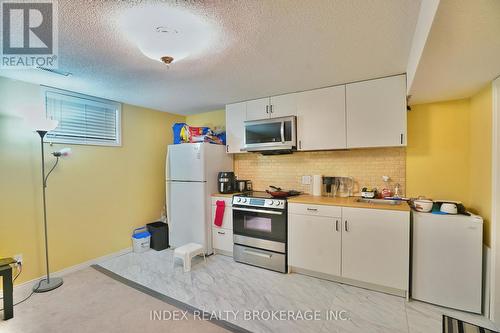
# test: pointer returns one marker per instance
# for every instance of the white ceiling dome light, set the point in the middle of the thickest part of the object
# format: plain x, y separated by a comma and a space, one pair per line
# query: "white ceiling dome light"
168, 34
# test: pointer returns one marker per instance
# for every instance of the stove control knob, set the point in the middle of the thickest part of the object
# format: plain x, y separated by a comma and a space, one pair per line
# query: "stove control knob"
244, 200
239, 200
270, 202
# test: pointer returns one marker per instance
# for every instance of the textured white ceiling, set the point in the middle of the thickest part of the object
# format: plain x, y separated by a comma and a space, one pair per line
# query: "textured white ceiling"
267, 47
462, 53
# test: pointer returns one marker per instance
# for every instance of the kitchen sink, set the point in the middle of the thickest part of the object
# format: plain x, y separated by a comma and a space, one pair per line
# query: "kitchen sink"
380, 201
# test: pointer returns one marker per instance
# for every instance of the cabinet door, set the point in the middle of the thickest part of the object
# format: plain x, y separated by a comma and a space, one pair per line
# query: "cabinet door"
375, 246
321, 119
227, 220
222, 239
283, 105
235, 127
376, 113
258, 109
314, 243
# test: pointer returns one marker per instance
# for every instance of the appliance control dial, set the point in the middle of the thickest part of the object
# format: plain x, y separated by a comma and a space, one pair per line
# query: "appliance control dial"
239, 199
244, 200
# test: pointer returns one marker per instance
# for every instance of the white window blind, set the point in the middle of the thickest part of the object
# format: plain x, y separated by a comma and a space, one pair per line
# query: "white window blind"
82, 119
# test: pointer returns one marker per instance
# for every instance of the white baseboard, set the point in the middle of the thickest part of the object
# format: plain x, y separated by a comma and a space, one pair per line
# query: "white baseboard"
71, 269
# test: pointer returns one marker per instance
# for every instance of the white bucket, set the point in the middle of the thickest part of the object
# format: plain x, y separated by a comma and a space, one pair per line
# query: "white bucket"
141, 240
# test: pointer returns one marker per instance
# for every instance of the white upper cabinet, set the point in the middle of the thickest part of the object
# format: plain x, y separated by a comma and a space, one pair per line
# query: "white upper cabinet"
376, 113
272, 107
321, 119
283, 105
357, 115
235, 127
258, 109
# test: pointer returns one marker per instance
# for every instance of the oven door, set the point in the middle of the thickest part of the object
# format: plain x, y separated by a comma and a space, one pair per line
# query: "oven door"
270, 134
262, 223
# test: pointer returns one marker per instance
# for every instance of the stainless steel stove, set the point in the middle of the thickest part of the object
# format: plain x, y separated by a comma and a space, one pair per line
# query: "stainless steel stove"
260, 230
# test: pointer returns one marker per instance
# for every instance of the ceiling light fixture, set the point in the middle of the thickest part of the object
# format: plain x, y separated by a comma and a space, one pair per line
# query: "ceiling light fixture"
167, 60
159, 30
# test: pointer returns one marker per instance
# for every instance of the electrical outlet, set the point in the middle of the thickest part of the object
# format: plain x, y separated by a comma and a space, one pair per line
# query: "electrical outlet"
19, 258
306, 180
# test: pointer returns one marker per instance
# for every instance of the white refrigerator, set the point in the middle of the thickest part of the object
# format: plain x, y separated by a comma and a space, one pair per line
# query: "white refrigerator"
447, 260
191, 176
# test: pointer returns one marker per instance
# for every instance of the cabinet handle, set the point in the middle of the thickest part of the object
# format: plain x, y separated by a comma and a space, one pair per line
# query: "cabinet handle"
258, 254
312, 209
300, 144
337, 225
271, 108
345, 226
221, 233
267, 109
227, 148
401, 138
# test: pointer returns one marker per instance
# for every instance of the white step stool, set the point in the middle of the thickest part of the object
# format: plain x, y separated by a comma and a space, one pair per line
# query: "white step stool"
188, 252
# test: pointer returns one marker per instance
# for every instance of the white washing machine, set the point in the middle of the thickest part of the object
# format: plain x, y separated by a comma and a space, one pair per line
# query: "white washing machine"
447, 260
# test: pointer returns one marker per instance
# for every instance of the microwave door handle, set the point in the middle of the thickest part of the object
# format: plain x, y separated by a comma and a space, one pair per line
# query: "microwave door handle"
282, 132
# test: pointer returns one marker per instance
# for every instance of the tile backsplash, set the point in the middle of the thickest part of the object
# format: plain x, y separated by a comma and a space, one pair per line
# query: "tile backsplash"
366, 166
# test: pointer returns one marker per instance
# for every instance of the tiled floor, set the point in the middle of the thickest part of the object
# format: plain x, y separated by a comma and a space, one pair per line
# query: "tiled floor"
224, 285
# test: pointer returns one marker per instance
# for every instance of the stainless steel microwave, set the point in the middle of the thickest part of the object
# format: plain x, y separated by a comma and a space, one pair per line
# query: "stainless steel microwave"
273, 135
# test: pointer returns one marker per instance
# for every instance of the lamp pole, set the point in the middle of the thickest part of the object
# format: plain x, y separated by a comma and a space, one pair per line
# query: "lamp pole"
47, 284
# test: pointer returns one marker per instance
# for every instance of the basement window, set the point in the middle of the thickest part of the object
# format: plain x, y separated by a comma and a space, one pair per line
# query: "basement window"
83, 119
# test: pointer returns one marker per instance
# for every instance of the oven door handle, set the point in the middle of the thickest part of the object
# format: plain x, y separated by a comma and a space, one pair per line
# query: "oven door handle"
258, 254
258, 211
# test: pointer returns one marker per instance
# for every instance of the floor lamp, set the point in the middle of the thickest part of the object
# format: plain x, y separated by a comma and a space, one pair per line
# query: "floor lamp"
49, 283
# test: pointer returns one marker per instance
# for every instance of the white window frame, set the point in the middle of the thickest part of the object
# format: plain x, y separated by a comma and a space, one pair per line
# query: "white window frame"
116, 105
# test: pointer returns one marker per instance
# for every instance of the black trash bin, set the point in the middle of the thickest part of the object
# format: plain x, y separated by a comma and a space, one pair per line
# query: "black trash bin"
159, 235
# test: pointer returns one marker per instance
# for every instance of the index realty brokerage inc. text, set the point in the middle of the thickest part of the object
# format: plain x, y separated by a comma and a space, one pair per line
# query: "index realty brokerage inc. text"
306, 315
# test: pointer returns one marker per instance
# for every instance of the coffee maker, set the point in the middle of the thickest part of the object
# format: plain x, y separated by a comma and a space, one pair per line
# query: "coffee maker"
226, 181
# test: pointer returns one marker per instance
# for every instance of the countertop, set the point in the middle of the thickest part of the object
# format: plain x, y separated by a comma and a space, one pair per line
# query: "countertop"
223, 195
329, 201
345, 202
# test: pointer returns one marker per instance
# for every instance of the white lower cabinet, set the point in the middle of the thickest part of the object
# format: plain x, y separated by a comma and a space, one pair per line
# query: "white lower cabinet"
315, 243
222, 240
351, 244
375, 246
222, 237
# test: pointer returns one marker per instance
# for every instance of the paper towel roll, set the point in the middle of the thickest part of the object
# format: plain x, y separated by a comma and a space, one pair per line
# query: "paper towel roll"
316, 185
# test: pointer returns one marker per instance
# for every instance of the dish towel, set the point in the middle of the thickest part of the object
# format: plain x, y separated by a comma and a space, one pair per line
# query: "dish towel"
219, 212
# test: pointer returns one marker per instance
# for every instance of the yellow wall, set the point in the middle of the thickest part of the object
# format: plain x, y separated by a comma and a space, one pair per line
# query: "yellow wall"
212, 119
438, 150
449, 153
95, 197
